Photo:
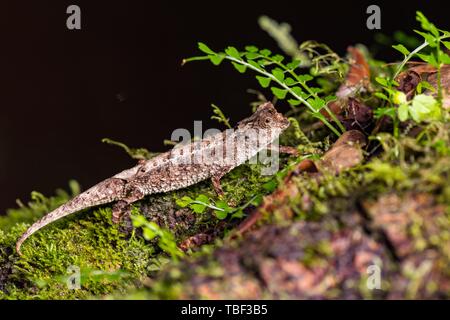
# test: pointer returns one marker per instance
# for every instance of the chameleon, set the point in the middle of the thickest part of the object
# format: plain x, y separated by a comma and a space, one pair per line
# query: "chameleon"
183, 166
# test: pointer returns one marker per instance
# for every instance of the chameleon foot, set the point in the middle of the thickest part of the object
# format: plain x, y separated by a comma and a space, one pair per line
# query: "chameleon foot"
119, 209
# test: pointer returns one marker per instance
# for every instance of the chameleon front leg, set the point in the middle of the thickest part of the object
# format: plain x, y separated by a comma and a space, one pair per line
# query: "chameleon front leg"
284, 149
288, 150
215, 179
123, 207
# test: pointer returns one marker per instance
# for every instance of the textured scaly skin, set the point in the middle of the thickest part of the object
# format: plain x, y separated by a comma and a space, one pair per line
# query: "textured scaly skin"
181, 167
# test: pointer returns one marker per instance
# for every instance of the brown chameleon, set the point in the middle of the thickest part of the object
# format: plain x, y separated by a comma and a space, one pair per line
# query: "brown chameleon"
178, 168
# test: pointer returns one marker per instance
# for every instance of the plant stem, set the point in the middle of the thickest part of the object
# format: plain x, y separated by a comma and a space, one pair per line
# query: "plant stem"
273, 78
417, 50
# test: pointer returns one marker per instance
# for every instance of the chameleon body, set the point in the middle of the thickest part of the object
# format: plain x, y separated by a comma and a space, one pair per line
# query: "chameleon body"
178, 168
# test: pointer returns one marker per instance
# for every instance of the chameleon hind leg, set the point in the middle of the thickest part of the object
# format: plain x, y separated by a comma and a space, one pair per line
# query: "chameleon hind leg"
123, 207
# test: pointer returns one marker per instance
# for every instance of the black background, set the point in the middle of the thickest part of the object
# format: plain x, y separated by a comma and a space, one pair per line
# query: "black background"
120, 77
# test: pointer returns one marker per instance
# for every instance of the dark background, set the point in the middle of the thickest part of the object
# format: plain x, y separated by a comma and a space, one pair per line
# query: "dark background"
120, 77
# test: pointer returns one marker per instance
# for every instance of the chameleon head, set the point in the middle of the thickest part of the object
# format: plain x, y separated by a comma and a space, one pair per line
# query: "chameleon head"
266, 117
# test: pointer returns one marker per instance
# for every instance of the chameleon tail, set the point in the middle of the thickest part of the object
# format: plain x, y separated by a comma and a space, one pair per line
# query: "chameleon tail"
106, 191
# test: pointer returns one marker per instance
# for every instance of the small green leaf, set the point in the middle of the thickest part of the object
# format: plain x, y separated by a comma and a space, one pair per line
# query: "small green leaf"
403, 111
381, 112
279, 93
255, 64
426, 24
198, 208
317, 103
278, 74
148, 233
202, 198
428, 58
446, 44
381, 96
304, 78
265, 52
217, 59
220, 214
232, 51
294, 64
428, 38
330, 98
424, 108
298, 91
239, 67
425, 85
184, 202
278, 58
402, 49
263, 81
271, 185
444, 58
251, 49
238, 215
204, 48
223, 205
252, 55
289, 81
382, 81
294, 102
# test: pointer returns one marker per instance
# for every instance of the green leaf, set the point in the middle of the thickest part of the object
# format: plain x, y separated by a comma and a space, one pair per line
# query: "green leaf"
444, 58
382, 81
402, 49
263, 81
294, 64
278, 58
220, 214
251, 49
403, 111
425, 85
424, 108
238, 215
304, 78
217, 59
381, 112
184, 202
428, 58
239, 67
330, 98
148, 233
202, 198
426, 24
252, 55
255, 64
446, 44
232, 51
204, 48
289, 81
294, 102
223, 205
298, 91
265, 52
278, 74
428, 38
271, 185
317, 103
279, 93
198, 208
381, 96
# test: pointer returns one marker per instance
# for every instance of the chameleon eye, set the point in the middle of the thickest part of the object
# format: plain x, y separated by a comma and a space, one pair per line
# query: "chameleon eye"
268, 120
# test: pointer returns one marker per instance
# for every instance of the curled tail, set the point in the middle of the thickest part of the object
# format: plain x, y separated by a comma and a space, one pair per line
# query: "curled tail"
107, 191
